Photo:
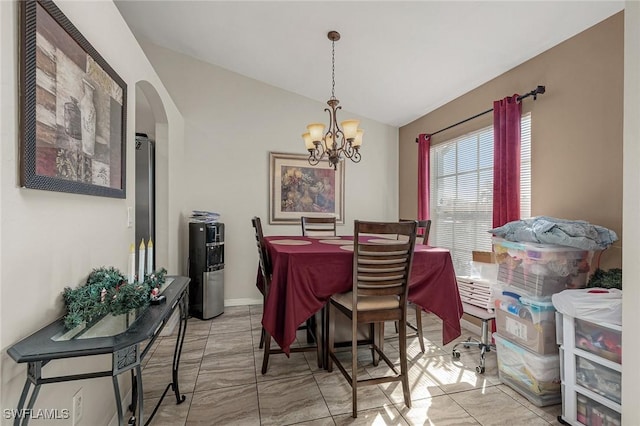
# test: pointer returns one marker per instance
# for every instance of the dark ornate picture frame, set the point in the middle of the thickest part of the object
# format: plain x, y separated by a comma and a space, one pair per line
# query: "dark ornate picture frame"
73, 108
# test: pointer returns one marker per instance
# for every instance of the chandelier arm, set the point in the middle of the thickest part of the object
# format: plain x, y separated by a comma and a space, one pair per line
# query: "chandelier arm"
320, 151
313, 160
356, 156
348, 150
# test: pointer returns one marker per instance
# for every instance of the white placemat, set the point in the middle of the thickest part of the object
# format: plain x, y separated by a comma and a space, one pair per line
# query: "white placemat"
347, 248
324, 237
384, 241
290, 242
338, 241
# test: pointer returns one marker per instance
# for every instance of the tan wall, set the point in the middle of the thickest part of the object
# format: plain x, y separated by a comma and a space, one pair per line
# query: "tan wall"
576, 129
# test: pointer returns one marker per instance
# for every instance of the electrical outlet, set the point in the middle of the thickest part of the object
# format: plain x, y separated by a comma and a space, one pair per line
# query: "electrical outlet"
77, 407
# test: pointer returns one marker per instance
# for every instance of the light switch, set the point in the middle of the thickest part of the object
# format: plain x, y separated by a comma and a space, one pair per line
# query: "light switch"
129, 217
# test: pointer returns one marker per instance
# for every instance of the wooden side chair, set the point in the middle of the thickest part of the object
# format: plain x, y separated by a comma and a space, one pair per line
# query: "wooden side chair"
422, 237
318, 226
379, 294
265, 270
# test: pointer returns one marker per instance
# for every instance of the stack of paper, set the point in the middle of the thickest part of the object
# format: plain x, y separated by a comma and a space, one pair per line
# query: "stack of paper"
202, 216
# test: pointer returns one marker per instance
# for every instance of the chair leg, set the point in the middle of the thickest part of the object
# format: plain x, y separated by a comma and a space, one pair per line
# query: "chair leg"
319, 339
374, 336
330, 336
267, 349
354, 367
261, 339
419, 326
404, 370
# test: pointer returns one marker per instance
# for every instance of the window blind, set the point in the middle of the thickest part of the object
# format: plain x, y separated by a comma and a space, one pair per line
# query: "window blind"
462, 192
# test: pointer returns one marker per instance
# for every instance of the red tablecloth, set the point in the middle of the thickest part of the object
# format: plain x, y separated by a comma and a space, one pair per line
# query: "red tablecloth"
306, 276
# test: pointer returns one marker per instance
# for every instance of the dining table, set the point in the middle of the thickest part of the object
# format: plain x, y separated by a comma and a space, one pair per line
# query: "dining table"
307, 271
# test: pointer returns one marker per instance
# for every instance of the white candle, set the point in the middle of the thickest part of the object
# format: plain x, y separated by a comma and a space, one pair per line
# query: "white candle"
150, 257
141, 260
132, 264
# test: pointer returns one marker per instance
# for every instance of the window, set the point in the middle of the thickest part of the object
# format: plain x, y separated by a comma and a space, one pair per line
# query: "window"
462, 192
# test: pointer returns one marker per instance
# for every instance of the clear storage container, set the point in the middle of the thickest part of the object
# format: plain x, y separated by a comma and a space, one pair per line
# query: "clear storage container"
599, 379
538, 374
527, 322
535, 399
599, 340
591, 413
541, 269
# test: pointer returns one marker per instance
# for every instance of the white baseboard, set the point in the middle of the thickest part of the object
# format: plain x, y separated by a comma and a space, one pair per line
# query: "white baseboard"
470, 326
242, 302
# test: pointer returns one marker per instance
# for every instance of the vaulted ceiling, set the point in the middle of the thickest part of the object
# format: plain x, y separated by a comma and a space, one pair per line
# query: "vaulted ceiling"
396, 60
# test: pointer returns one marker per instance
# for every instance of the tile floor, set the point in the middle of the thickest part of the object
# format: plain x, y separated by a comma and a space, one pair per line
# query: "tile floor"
220, 376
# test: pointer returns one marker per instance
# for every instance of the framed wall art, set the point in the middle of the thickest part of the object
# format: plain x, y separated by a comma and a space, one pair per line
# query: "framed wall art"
72, 108
298, 189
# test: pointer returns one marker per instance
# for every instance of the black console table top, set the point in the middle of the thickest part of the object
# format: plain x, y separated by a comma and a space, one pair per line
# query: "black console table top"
43, 345
121, 336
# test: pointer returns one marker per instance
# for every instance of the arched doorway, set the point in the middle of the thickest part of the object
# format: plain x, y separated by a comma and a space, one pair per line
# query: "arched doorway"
151, 171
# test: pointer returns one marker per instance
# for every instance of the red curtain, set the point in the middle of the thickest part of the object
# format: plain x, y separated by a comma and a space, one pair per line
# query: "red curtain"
424, 143
506, 160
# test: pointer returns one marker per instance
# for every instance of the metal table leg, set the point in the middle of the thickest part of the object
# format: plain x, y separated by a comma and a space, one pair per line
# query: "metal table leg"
116, 391
140, 395
23, 399
182, 328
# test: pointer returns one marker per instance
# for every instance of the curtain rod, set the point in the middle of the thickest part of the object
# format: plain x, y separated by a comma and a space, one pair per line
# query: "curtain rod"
535, 92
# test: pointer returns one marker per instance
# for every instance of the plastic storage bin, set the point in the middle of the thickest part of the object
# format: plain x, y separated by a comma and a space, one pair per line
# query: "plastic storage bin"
589, 412
535, 399
527, 322
599, 340
599, 379
538, 374
541, 269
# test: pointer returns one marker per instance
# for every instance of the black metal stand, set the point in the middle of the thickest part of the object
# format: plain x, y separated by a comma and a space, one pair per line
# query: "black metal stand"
136, 384
40, 348
34, 376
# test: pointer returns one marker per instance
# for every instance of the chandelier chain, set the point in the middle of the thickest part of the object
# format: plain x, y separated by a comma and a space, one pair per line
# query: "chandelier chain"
333, 69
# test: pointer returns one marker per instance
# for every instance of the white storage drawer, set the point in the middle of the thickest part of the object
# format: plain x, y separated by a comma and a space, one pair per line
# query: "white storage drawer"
598, 378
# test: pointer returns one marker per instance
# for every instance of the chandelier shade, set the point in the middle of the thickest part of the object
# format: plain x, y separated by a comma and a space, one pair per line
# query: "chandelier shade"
339, 141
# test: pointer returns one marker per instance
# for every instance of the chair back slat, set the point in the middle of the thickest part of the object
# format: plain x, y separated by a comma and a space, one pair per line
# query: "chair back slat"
422, 232
263, 254
382, 268
318, 226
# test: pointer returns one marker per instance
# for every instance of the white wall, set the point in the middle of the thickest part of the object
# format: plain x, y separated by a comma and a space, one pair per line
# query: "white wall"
50, 240
631, 213
231, 124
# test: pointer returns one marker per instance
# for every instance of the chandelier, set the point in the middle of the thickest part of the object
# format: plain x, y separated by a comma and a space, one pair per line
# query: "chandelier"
335, 143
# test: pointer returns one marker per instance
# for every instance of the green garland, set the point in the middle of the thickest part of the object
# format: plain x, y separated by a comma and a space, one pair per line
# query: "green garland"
107, 292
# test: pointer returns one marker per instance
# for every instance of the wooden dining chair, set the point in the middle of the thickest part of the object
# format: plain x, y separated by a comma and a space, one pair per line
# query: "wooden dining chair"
379, 294
422, 237
318, 226
265, 271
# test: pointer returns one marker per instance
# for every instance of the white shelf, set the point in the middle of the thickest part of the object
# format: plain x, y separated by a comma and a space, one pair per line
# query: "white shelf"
570, 388
597, 359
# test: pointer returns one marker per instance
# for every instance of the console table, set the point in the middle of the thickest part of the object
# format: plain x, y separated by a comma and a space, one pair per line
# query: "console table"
121, 336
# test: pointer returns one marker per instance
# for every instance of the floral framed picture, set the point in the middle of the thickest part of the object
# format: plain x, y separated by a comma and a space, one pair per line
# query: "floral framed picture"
72, 108
298, 189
